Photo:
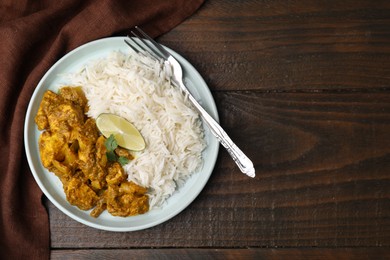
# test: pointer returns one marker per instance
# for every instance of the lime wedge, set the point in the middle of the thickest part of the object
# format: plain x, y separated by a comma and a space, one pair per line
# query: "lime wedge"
126, 135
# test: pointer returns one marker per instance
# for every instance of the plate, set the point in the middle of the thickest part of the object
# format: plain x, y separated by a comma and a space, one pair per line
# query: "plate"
52, 186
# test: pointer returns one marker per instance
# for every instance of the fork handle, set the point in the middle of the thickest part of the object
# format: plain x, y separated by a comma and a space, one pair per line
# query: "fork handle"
242, 161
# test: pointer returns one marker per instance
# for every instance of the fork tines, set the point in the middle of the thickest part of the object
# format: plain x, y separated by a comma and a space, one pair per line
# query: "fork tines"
145, 44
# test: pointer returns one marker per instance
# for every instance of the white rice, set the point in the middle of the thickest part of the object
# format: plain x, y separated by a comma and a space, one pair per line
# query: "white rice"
124, 85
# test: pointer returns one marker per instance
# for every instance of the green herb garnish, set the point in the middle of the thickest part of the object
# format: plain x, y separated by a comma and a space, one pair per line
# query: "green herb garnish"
111, 144
123, 160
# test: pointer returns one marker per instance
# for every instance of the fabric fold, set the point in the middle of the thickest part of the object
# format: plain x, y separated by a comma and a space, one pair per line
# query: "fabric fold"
34, 35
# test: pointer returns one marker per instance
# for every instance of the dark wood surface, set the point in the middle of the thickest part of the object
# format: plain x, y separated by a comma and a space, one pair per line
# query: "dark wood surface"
303, 87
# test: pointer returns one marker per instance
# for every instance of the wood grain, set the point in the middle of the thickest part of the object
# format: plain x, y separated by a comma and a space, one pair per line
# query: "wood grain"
226, 254
294, 45
303, 87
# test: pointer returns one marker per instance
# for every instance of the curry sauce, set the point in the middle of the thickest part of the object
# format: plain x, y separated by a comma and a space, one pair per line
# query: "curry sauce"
72, 148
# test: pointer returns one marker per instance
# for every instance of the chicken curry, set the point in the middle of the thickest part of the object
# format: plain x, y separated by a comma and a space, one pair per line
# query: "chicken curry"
72, 148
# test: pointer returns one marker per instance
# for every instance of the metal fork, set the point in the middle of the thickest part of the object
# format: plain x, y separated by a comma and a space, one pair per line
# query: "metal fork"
147, 45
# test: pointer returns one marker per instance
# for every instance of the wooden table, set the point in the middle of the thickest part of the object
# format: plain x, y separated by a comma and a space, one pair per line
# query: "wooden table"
303, 87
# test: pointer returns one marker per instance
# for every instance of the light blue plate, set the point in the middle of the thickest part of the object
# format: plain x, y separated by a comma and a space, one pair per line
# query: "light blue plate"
51, 185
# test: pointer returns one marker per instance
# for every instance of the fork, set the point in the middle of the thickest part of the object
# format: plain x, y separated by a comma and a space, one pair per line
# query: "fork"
147, 45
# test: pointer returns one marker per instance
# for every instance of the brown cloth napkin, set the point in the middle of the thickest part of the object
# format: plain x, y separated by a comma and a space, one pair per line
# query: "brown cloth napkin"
34, 34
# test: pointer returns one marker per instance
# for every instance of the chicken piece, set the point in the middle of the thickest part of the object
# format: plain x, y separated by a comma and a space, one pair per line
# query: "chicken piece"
49, 100
65, 117
86, 146
86, 136
74, 94
94, 173
128, 200
132, 188
50, 147
90, 130
115, 174
101, 150
100, 207
61, 171
124, 153
69, 156
79, 194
